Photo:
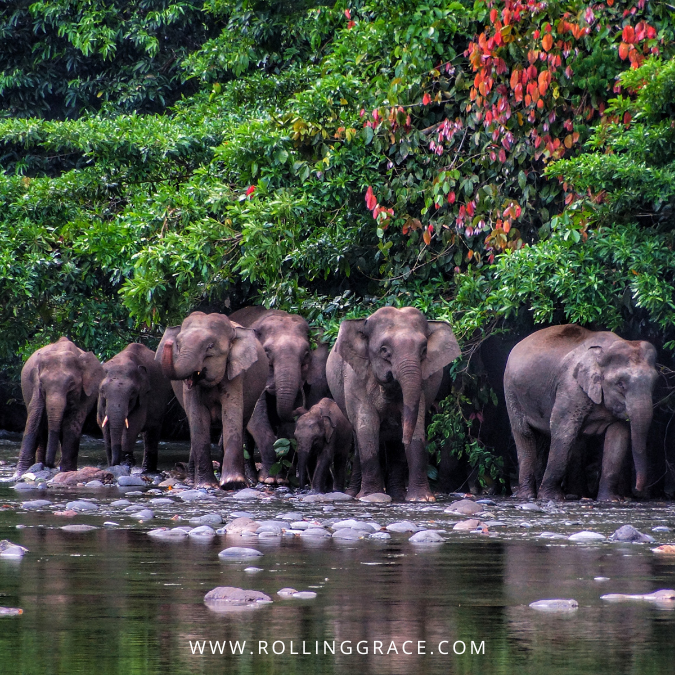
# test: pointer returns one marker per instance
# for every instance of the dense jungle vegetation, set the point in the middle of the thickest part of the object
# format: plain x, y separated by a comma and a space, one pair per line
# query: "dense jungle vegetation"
502, 165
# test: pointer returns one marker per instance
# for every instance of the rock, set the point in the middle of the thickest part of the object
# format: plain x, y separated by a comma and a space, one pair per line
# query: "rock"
165, 534
348, 534
494, 523
206, 519
131, 481
10, 550
110, 523
301, 525
238, 553
380, 535
354, 524
328, 508
289, 516
338, 497
22, 487
192, 495
94, 484
268, 534
403, 526
239, 525
223, 598
169, 482
78, 528
164, 501
313, 499
35, 504
253, 570
68, 513
600, 578
629, 533
81, 505
465, 507
242, 514
666, 549
529, 506
660, 528
662, 596
247, 493
84, 475
468, 525
555, 605
487, 502
38, 466
376, 498
304, 595
120, 502
143, 514
585, 535
315, 533
203, 532
286, 592
426, 537
119, 470
552, 535
133, 508
10, 611
524, 524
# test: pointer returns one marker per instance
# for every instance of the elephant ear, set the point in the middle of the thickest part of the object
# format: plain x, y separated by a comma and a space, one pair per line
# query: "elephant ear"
328, 428
352, 343
243, 352
92, 373
169, 334
442, 348
588, 373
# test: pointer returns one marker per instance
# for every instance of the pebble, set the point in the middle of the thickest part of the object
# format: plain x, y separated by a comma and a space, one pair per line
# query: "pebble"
529, 506
131, 481
354, 524
466, 507
193, 495
585, 535
426, 537
78, 528
403, 526
290, 516
94, 484
552, 535
467, 525
348, 534
165, 534
202, 532
144, 514
313, 499
110, 523
22, 487
206, 519
10, 611
134, 493
555, 605
253, 570
35, 504
660, 528
315, 533
494, 523
380, 535
338, 497
222, 597
247, 493
81, 505
629, 533
304, 595
120, 502
376, 498
133, 508
238, 553
241, 524
489, 502
162, 501
301, 525
286, 592
10, 550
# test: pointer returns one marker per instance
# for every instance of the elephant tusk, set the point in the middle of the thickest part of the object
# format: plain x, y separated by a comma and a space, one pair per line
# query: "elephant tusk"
105, 421
199, 372
126, 422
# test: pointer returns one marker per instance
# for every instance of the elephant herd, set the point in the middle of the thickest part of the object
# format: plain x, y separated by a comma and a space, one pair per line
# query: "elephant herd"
256, 375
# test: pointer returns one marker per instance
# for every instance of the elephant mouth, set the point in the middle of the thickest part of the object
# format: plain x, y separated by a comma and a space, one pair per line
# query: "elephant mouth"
196, 377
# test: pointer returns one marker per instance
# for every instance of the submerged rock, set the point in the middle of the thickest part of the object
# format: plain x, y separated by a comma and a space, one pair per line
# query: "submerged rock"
165, 534
206, 519
348, 534
286, 592
403, 526
380, 535
465, 507
35, 504
78, 528
203, 532
10, 550
81, 505
315, 533
223, 598
426, 537
239, 553
555, 605
143, 514
629, 533
304, 595
586, 535
248, 493
665, 595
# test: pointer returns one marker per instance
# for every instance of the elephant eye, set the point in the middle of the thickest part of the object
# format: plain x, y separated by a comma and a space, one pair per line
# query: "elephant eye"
621, 385
209, 346
423, 352
385, 353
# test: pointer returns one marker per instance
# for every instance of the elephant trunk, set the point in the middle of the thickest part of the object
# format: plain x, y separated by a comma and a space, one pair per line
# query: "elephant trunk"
56, 406
640, 416
409, 376
116, 420
167, 361
287, 382
303, 455
30, 437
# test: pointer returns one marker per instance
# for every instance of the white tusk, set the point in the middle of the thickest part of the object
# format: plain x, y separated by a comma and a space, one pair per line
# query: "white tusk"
126, 421
199, 372
105, 421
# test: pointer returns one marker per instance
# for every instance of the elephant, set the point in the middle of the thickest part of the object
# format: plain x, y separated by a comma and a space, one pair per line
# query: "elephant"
223, 369
60, 384
324, 437
294, 369
384, 372
132, 399
570, 383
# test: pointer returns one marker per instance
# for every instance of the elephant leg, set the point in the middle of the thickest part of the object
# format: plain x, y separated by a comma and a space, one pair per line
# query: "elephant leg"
564, 438
150, 449
41, 450
418, 461
31, 434
199, 417
261, 430
232, 402
615, 448
129, 441
249, 462
321, 475
575, 477
526, 445
367, 429
355, 477
340, 464
70, 438
395, 458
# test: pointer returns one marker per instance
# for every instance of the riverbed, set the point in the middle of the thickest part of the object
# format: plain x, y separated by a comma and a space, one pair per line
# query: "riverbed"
116, 600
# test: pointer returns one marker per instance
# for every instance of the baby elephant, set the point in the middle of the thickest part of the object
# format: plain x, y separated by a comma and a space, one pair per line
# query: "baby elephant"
569, 383
132, 399
324, 436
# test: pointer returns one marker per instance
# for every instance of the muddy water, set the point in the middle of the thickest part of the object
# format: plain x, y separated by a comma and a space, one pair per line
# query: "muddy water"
113, 600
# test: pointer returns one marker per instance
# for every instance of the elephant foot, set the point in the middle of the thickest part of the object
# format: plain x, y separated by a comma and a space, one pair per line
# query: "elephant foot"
556, 494
232, 480
206, 483
609, 497
420, 495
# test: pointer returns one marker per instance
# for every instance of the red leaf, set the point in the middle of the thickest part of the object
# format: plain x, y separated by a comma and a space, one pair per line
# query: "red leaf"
426, 99
471, 208
371, 201
651, 32
250, 191
623, 51
348, 14
547, 42
493, 16
628, 34
427, 237
451, 197
502, 156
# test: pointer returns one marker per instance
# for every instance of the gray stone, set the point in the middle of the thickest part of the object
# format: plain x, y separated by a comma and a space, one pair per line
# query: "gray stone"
354, 524
202, 532
468, 525
376, 498
22, 487
269, 534
253, 570
529, 506
426, 537
328, 508
131, 481
35, 504
240, 525
81, 505
192, 495
488, 502
110, 523
163, 501
238, 553
555, 605
380, 535
120, 502
11, 611
133, 508
465, 507
78, 528
287, 592
314, 499
94, 484
552, 535
165, 534
586, 535
660, 528
119, 470
144, 514
207, 519
348, 534
629, 533
290, 516
315, 533
223, 598
10, 550
242, 514
338, 497
38, 466
664, 596
301, 525
247, 493
304, 595
403, 526
495, 523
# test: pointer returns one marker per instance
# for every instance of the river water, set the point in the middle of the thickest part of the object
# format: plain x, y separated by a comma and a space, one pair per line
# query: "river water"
116, 601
